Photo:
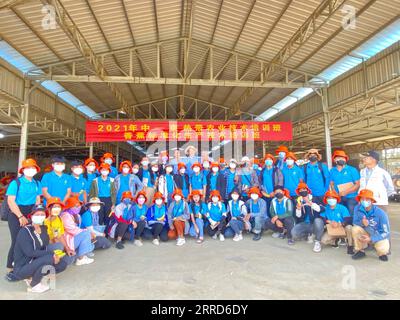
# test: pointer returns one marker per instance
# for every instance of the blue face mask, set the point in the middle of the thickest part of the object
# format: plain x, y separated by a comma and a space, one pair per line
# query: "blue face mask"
268, 162
332, 202
366, 203
282, 155
127, 201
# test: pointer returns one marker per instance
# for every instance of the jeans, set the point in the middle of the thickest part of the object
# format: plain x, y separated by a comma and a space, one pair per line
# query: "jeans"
303, 229
237, 226
200, 225
257, 224
288, 224
83, 243
350, 204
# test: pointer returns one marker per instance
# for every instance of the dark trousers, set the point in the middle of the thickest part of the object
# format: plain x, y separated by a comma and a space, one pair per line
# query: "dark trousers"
122, 231
139, 229
14, 226
104, 212
220, 229
36, 269
156, 230
288, 224
102, 243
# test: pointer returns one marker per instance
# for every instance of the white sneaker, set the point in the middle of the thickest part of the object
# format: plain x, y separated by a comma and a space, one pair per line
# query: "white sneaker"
310, 238
180, 242
138, 243
317, 246
83, 261
236, 237
215, 237
240, 236
39, 288
221, 237
276, 235
156, 242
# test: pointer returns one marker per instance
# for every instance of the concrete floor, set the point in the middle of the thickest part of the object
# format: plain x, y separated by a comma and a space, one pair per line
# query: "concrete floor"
268, 269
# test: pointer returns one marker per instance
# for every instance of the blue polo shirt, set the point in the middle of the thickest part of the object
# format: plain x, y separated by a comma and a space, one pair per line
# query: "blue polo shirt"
86, 220
197, 181
27, 193
104, 187
291, 178
268, 179
57, 186
123, 186
213, 182
230, 180
139, 212
146, 175
315, 179
78, 185
198, 209
337, 214
114, 172
170, 183
348, 174
236, 210
215, 212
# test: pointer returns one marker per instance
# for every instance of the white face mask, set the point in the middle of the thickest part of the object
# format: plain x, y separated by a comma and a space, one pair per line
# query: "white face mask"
232, 165
178, 198
235, 197
290, 162
30, 172
159, 202
126, 170
196, 169
91, 168
254, 196
56, 211
215, 199
108, 161
154, 169
59, 167
95, 208
206, 164
38, 219
145, 163
105, 173
78, 171
135, 170
215, 169
182, 171
168, 170
141, 200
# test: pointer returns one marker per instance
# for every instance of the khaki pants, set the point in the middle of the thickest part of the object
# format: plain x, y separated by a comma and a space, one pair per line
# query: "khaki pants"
328, 239
382, 247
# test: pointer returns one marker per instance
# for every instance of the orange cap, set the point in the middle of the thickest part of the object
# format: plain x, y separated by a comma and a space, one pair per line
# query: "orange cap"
195, 193
340, 153
141, 193
177, 192
127, 195
269, 156
181, 165
302, 185
214, 165
290, 155
331, 194
282, 149
107, 155
126, 162
215, 193
29, 163
72, 202
89, 160
254, 190
158, 195
54, 200
104, 166
365, 193
196, 164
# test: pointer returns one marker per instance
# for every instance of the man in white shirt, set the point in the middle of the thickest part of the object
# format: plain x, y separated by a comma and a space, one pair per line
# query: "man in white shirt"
376, 179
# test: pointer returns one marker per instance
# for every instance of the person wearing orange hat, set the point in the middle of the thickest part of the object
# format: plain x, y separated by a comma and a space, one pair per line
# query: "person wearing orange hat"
22, 194
338, 221
197, 180
370, 226
216, 181
198, 210
257, 212
232, 178
103, 188
178, 218
270, 177
139, 210
281, 213
126, 181
216, 216
182, 180
157, 220
91, 166
281, 152
248, 177
78, 182
109, 159
309, 224
292, 174
78, 241
345, 180
237, 213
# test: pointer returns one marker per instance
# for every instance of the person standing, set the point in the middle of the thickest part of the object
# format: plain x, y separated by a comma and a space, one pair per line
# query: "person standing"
126, 181
216, 181
232, 178
281, 152
197, 180
109, 159
270, 177
56, 183
91, 167
247, 177
78, 182
181, 180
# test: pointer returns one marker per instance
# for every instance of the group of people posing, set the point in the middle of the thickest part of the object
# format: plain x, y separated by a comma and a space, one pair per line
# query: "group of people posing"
63, 218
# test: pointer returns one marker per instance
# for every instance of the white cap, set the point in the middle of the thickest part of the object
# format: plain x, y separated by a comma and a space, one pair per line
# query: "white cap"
245, 158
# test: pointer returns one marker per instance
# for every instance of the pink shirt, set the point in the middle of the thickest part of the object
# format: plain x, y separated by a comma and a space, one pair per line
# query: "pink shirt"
71, 229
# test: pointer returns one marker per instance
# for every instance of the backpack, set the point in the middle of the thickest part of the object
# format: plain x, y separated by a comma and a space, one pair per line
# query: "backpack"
5, 208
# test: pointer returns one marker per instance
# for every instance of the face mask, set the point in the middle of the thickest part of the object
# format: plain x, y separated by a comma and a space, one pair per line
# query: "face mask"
105, 173
235, 197
141, 200
168, 170
59, 167
108, 161
215, 199
75, 210
154, 169
279, 195
126, 170
159, 202
196, 169
127, 201
55, 211
95, 208
282, 155
366, 203
206, 164
90, 168
135, 170
78, 171
340, 162
313, 158
182, 171
30, 172
215, 170
269, 162
38, 219
332, 202
178, 198
290, 162
145, 163
254, 196
232, 165
303, 193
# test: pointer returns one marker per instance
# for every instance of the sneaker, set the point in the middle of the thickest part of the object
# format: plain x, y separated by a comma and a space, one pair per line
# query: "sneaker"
257, 237
310, 238
28, 282
384, 258
350, 250
156, 242
199, 241
275, 235
119, 245
39, 288
290, 242
281, 236
335, 244
11, 277
180, 242
317, 246
240, 236
236, 237
358, 255
221, 237
138, 243
83, 261
342, 242
215, 237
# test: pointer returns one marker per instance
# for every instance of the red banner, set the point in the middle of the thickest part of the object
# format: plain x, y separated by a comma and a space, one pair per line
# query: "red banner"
121, 130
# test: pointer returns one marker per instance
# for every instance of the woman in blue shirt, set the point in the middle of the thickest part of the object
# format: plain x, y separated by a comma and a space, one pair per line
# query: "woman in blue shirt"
198, 210
236, 212
197, 180
139, 210
78, 182
216, 216
157, 220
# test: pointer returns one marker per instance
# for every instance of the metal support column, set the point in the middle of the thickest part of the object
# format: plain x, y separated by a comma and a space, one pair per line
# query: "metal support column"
117, 152
328, 145
23, 146
91, 150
